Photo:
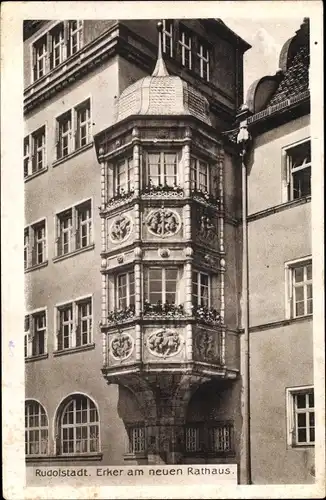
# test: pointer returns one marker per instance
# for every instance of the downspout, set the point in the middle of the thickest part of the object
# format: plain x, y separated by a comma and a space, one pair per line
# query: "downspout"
245, 470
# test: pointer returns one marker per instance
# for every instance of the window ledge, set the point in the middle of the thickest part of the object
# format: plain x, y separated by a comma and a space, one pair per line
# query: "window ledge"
276, 324
64, 458
278, 208
302, 446
36, 358
36, 266
36, 174
135, 456
75, 252
74, 153
72, 350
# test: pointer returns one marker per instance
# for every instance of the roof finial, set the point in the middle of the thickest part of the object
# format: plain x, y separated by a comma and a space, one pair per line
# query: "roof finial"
160, 68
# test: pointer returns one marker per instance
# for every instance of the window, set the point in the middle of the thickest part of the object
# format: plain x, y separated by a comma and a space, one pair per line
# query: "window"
124, 176
192, 439
167, 38
62, 41
161, 285
40, 56
34, 152
58, 45
162, 169
200, 289
136, 439
35, 337
83, 124
125, 290
75, 37
199, 175
203, 58
299, 170
73, 129
185, 45
301, 416
79, 427
35, 244
74, 229
36, 429
74, 321
300, 288
220, 438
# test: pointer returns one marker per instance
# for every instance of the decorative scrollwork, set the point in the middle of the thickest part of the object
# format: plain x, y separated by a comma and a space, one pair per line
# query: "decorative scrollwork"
205, 345
120, 229
164, 343
121, 346
163, 222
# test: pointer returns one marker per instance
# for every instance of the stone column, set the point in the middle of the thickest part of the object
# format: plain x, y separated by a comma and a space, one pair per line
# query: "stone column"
136, 160
186, 163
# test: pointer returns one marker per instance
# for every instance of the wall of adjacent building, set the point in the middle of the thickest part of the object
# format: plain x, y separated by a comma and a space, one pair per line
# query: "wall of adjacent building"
280, 354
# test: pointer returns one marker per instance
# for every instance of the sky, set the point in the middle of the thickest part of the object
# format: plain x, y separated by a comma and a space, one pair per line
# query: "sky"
267, 38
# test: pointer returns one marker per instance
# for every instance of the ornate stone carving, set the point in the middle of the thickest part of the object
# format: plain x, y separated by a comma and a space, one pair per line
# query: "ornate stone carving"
163, 222
121, 346
120, 229
207, 229
165, 343
206, 345
164, 252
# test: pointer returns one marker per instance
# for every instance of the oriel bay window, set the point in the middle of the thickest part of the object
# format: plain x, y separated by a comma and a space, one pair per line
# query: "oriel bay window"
74, 228
161, 285
125, 285
162, 168
35, 336
199, 175
73, 129
200, 289
74, 324
124, 176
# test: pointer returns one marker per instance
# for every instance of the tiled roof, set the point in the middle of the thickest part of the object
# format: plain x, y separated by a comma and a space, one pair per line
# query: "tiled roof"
296, 78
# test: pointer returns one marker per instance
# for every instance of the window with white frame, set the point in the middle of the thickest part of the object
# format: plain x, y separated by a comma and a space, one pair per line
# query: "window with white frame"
35, 251
301, 416
35, 335
40, 57
185, 43
136, 439
78, 427
162, 168
74, 228
55, 46
167, 37
203, 55
75, 40
124, 176
161, 285
36, 429
300, 299
74, 324
34, 152
199, 175
200, 289
125, 286
73, 129
299, 170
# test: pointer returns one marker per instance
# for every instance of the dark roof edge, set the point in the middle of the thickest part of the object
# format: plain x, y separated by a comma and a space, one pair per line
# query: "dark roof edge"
272, 110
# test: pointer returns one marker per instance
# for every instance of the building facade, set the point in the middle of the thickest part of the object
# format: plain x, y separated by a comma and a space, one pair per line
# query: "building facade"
134, 342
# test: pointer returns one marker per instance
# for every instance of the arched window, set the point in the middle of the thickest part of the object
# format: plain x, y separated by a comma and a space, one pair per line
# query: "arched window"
36, 429
79, 426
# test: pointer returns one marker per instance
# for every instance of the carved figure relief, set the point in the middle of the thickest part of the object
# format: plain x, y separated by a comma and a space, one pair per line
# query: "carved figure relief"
164, 343
120, 229
207, 229
121, 346
163, 222
205, 345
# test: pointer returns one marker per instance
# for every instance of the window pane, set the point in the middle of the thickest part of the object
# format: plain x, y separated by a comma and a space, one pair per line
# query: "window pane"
312, 435
309, 272
298, 274
302, 435
301, 400
311, 419
299, 309
311, 400
301, 420
171, 274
